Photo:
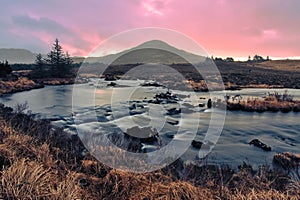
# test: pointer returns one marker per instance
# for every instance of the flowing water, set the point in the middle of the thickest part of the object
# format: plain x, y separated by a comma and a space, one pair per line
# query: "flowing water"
279, 130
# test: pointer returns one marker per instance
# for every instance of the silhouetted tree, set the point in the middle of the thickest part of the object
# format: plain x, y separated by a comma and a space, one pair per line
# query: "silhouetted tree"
59, 62
5, 69
249, 58
258, 58
229, 59
218, 59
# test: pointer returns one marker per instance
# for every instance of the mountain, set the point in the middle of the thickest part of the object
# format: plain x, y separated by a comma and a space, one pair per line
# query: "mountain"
153, 51
17, 56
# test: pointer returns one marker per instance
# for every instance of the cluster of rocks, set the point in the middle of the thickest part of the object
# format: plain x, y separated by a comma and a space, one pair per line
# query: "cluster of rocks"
164, 98
109, 77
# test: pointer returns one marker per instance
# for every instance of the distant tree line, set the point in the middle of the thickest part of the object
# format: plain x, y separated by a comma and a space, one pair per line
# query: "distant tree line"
56, 64
228, 59
256, 58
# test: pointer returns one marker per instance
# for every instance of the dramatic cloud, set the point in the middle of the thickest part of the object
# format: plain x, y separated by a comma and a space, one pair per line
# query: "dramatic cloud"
223, 27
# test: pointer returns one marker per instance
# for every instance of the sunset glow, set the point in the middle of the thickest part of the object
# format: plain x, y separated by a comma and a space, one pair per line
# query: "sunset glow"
224, 28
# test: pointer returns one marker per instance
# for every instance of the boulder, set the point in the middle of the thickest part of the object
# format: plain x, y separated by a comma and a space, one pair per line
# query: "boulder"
197, 144
201, 105
200, 145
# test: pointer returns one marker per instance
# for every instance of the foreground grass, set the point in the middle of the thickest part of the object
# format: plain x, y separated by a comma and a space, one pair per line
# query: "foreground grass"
40, 162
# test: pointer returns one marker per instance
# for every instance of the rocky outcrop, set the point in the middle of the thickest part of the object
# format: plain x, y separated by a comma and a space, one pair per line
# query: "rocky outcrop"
164, 98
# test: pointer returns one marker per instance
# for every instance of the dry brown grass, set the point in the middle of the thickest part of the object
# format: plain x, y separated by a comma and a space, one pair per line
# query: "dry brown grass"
269, 103
21, 84
48, 166
26, 179
283, 65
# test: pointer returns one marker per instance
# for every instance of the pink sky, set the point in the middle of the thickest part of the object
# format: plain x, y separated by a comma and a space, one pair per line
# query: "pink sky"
223, 27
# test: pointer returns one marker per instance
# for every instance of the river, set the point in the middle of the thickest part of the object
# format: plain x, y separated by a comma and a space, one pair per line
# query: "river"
279, 130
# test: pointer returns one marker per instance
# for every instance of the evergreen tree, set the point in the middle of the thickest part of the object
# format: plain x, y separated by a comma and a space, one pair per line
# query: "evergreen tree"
68, 60
39, 62
59, 62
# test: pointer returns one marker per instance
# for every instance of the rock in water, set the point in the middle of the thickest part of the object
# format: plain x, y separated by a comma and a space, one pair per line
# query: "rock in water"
200, 145
196, 144
259, 144
111, 84
209, 104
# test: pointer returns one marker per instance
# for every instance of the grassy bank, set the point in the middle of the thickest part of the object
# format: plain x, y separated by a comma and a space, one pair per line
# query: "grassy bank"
42, 162
21, 84
272, 102
18, 85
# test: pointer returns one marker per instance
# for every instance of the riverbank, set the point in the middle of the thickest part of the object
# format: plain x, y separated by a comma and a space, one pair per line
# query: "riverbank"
21, 84
200, 86
38, 159
274, 102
